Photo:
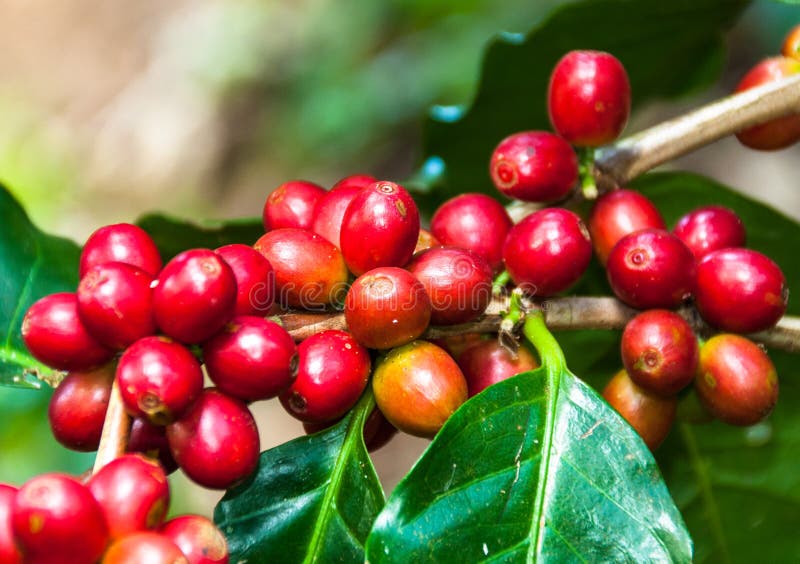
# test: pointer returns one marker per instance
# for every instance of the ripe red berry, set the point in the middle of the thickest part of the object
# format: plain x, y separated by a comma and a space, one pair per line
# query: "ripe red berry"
387, 307
618, 213
292, 205
121, 242
425, 241
377, 431
197, 537
309, 270
475, 222
458, 283
651, 269
216, 443
589, 98
252, 358
456, 345
736, 381
710, 228
78, 408
195, 296
547, 252
488, 362
329, 213
255, 279
144, 547
650, 415
158, 379
380, 228
151, 441
534, 166
332, 372
56, 520
54, 334
9, 552
133, 493
659, 351
791, 45
740, 290
777, 133
418, 387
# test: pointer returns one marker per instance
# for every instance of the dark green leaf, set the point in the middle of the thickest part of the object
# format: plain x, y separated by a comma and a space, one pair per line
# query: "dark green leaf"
313, 499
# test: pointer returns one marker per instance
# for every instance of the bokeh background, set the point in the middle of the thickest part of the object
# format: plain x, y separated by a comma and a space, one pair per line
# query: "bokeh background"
201, 107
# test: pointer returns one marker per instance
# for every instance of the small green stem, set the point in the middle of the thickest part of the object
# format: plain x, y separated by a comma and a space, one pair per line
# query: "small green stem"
586, 171
500, 282
546, 345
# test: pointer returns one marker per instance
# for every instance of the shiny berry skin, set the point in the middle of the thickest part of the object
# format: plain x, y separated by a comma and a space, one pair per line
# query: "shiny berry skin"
740, 290
255, 279
650, 415
144, 547
488, 362
54, 334
195, 296
77, 408
418, 387
547, 252
777, 133
458, 283
710, 228
589, 98
736, 381
252, 358
387, 307
380, 228
216, 443
121, 242
310, 272
475, 222
534, 166
377, 431
659, 351
151, 441
791, 45
651, 269
332, 372
56, 520
115, 304
198, 538
292, 205
456, 345
329, 213
133, 492
425, 241
618, 213
9, 552
158, 379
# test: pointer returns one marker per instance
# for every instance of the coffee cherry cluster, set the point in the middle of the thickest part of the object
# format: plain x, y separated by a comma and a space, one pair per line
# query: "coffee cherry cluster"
116, 516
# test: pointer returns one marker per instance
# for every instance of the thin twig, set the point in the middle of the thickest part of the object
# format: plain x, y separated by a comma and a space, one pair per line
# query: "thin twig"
116, 428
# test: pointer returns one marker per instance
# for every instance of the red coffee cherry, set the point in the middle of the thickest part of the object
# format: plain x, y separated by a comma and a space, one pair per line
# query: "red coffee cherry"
78, 408
115, 303
255, 279
650, 415
195, 296
133, 492
151, 441
158, 379
252, 358
777, 133
456, 345
736, 381
740, 290
292, 205
791, 45
377, 431
534, 166
547, 252
332, 372
475, 222
309, 270
488, 362
56, 519
198, 538
418, 387
329, 213
710, 228
121, 242
458, 283
387, 307
145, 546
589, 98
9, 552
659, 351
651, 269
54, 334
425, 241
619, 213
216, 443
380, 228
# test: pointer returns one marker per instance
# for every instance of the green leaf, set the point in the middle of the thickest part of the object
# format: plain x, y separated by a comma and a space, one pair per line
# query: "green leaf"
313, 499
33, 264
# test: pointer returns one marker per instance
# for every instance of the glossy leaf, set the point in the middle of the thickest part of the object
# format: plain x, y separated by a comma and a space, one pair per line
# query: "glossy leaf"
313, 499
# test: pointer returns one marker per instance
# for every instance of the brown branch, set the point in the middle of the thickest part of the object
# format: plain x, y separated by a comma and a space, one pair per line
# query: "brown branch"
116, 428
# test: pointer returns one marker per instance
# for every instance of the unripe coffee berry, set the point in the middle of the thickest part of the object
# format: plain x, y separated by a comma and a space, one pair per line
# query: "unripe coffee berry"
709, 229
197, 537
9, 552
77, 408
329, 213
292, 205
144, 547
121, 242
255, 279
791, 45
489, 362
